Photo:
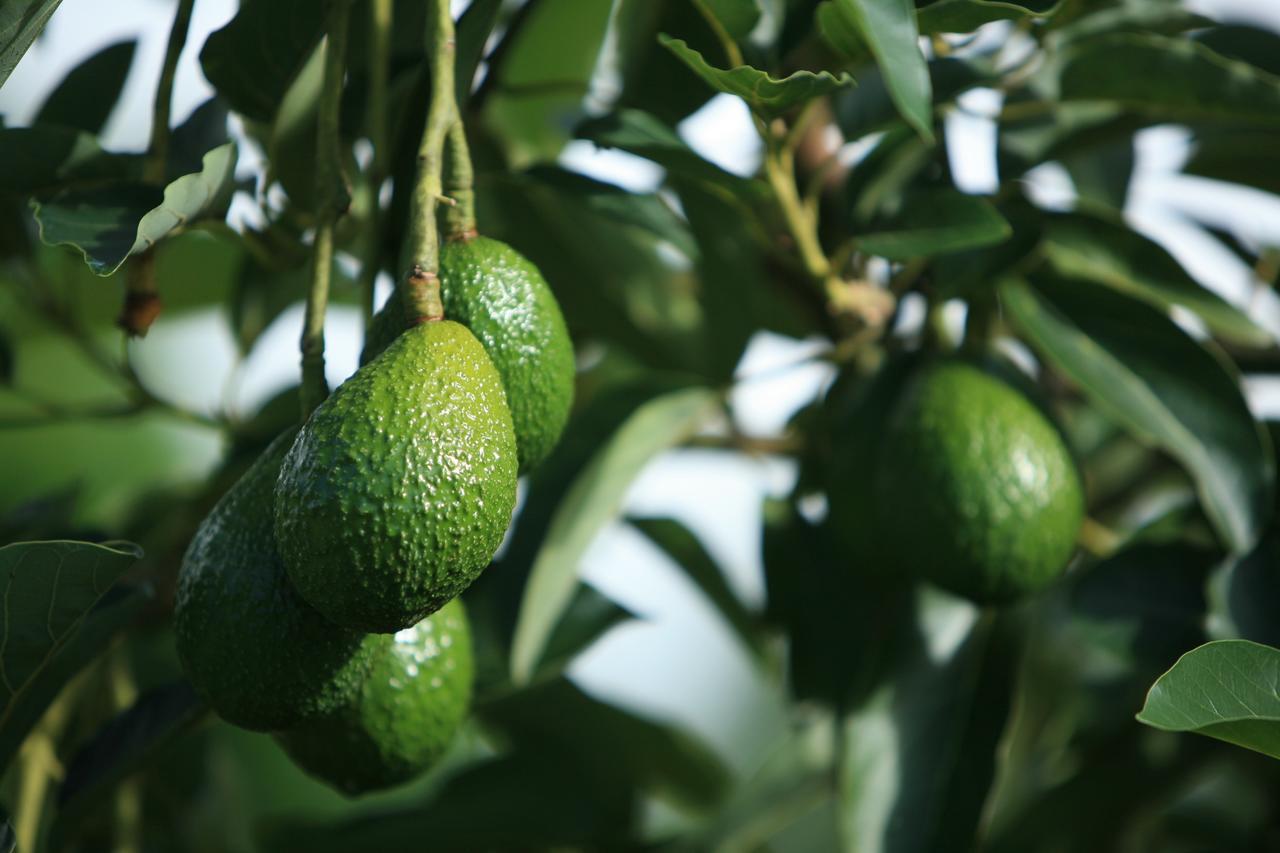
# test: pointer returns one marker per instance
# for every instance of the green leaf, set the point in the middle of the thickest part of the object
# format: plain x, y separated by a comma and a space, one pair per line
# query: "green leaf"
253, 59
934, 223
474, 28
871, 108
1148, 375
647, 136
1248, 44
1226, 690
963, 16
595, 499
86, 96
48, 589
108, 226
20, 22
684, 548
888, 29
767, 96
738, 17
1110, 253
46, 158
1236, 156
920, 753
588, 617
1172, 79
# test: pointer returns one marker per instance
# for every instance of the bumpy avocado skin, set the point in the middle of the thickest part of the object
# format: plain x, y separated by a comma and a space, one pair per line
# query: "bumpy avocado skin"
975, 489
258, 653
404, 718
400, 486
503, 299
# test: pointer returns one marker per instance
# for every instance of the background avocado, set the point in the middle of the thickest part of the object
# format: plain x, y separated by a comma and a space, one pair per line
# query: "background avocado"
259, 654
503, 299
404, 717
400, 487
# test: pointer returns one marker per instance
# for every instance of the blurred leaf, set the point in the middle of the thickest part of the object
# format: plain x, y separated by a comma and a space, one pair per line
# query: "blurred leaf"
1250, 586
1226, 690
1142, 17
252, 61
654, 80
292, 145
888, 29
587, 618
125, 745
1236, 156
1248, 44
920, 754
870, 107
767, 96
595, 499
87, 95
108, 226
1136, 365
1173, 79
738, 17
44, 159
474, 28
963, 16
49, 587
6, 359
879, 182
20, 23
1101, 174
680, 544
934, 223
646, 136
1110, 253
203, 130
614, 743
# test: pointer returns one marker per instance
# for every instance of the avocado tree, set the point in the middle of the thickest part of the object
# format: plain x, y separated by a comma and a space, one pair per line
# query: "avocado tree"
1025, 554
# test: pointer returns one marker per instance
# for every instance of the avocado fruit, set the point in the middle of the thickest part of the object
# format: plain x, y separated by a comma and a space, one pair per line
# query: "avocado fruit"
261, 656
400, 486
404, 717
503, 299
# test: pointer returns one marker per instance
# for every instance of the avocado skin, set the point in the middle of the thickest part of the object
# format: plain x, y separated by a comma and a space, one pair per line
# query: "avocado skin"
405, 716
259, 654
399, 488
503, 299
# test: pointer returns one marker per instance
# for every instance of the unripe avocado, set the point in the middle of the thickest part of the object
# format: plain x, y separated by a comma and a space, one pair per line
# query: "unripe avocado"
400, 486
259, 654
404, 717
971, 486
503, 299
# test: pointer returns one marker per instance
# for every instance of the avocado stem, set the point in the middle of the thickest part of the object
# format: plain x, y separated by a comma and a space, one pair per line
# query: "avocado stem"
460, 217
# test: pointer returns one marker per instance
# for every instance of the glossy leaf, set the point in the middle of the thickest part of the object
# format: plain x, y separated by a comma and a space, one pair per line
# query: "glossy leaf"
21, 21
963, 16
1170, 78
595, 499
1226, 690
1144, 371
934, 223
888, 29
107, 226
45, 159
767, 96
1112, 254
85, 98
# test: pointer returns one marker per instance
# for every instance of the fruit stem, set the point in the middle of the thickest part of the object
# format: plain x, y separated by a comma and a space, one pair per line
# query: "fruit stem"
380, 14
332, 199
421, 284
460, 217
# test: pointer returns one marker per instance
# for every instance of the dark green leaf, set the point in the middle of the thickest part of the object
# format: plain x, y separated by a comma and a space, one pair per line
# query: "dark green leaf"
870, 107
49, 587
935, 223
1110, 253
920, 753
588, 617
46, 159
1248, 44
879, 183
1144, 371
1157, 17
292, 145
20, 22
738, 17
6, 359
108, 226
204, 130
85, 98
646, 136
252, 61
1236, 156
1250, 585
1171, 78
888, 29
595, 499
1224, 689
680, 544
963, 16
474, 29
766, 95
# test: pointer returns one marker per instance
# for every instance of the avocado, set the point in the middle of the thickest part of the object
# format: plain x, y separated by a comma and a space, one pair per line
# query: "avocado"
251, 646
400, 486
404, 717
503, 299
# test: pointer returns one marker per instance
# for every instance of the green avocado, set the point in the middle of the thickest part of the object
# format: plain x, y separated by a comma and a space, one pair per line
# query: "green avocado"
400, 486
259, 654
501, 297
971, 486
404, 717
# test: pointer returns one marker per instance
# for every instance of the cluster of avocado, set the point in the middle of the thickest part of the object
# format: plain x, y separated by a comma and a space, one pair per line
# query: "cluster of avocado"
318, 600
947, 472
